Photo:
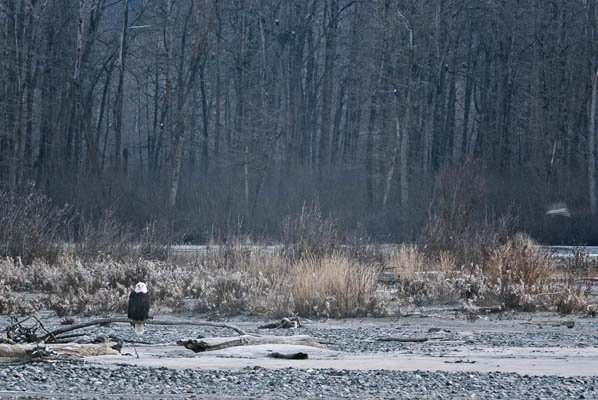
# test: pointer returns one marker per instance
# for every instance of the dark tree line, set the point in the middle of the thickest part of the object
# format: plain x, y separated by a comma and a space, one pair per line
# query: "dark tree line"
213, 112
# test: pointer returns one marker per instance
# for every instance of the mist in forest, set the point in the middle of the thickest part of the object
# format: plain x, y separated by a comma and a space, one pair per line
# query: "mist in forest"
220, 117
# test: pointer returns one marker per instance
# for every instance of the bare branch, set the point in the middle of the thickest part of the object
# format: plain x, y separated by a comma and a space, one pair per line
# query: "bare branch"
148, 322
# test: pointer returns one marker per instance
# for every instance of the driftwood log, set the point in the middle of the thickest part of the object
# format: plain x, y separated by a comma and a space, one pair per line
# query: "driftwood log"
285, 323
27, 351
103, 321
217, 343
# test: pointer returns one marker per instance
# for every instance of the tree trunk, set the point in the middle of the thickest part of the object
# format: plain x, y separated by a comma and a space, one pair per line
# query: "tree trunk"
369, 153
330, 21
118, 109
178, 158
78, 95
185, 85
205, 111
405, 153
391, 169
592, 148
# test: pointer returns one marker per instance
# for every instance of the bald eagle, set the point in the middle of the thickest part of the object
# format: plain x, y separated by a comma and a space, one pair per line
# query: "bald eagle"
139, 306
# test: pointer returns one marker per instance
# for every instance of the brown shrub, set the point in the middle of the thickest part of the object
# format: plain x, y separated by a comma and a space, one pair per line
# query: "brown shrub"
31, 225
107, 237
458, 221
309, 233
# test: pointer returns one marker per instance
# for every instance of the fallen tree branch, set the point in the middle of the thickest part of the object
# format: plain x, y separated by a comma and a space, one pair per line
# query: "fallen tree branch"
50, 334
217, 343
19, 333
123, 320
29, 350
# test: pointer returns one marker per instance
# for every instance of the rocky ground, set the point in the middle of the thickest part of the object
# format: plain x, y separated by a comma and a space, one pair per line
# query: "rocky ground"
462, 358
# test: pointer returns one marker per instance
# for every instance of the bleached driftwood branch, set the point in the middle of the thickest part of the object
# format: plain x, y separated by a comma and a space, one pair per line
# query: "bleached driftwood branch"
217, 343
29, 350
123, 320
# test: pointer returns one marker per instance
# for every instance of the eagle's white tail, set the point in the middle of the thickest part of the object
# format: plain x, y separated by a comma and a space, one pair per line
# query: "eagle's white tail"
139, 327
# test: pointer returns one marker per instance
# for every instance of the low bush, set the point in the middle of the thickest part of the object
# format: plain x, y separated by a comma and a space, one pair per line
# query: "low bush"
570, 301
106, 237
309, 233
32, 227
36, 229
458, 221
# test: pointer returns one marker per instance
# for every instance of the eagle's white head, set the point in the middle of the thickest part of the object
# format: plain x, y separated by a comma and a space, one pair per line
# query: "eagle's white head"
140, 287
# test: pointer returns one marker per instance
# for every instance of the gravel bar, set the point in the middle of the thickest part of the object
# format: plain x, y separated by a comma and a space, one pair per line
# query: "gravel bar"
80, 379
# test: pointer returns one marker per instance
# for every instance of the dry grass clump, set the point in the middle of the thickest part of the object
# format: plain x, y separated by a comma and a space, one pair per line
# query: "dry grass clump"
519, 259
240, 277
519, 269
424, 279
489, 263
407, 262
333, 286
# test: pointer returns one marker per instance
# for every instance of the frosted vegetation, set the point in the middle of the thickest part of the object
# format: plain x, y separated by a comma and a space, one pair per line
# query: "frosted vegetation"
459, 260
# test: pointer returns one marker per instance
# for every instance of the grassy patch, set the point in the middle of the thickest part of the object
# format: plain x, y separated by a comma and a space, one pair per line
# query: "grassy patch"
334, 286
309, 274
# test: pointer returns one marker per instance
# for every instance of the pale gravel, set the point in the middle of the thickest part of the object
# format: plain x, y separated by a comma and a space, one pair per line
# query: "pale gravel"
78, 379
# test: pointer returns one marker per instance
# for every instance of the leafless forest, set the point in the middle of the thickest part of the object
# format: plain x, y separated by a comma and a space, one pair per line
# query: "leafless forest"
228, 115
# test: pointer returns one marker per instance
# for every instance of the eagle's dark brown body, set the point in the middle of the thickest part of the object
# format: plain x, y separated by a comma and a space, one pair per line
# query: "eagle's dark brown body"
139, 306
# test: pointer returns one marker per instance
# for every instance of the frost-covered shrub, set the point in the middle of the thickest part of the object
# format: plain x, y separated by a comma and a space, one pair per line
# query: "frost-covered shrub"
571, 301
240, 279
